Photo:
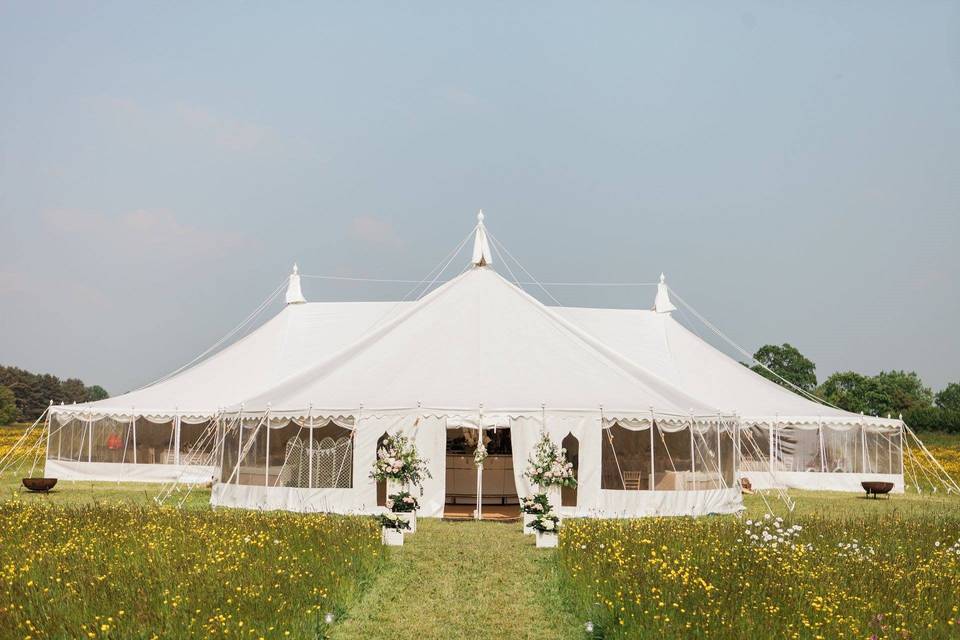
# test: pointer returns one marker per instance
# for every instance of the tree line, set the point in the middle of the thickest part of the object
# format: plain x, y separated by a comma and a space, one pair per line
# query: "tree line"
24, 395
889, 393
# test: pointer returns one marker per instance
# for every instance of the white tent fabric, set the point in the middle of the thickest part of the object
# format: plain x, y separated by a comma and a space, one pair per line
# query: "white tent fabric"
479, 341
660, 343
478, 351
299, 336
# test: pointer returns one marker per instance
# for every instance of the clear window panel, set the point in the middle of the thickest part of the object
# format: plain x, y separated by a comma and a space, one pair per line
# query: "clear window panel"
798, 449
672, 460
112, 441
154, 442
625, 459
332, 457
755, 448
706, 449
253, 462
229, 451
841, 448
728, 460
197, 442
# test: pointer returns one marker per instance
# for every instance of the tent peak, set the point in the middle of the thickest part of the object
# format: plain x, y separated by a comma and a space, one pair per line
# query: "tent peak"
481, 247
662, 303
294, 294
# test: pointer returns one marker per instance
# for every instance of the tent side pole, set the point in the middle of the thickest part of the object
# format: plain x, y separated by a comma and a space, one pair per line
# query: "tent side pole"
176, 439
823, 450
134, 438
653, 424
266, 466
863, 446
693, 454
310, 448
720, 453
773, 434
239, 451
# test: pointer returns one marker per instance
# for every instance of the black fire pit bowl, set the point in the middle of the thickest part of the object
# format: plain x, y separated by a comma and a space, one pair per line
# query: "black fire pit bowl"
39, 485
877, 488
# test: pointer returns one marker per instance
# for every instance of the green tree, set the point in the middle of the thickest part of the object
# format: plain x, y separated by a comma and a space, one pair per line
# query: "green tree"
899, 391
787, 362
96, 392
949, 397
889, 392
848, 390
73, 390
8, 406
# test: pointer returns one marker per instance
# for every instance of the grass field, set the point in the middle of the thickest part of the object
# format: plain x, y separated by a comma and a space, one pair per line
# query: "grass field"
101, 560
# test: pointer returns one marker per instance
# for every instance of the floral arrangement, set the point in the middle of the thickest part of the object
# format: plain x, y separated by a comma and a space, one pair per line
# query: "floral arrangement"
480, 454
393, 521
537, 504
548, 467
546, 523
398, 460
402, 502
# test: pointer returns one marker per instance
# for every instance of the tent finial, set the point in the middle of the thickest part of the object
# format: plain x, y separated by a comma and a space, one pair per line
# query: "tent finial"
294, 294
662, 303
481, 247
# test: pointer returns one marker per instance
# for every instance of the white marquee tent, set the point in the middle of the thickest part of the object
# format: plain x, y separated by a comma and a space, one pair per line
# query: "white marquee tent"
289, 416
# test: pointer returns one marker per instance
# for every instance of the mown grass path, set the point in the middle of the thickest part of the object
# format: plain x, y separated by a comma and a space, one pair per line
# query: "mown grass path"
463, 580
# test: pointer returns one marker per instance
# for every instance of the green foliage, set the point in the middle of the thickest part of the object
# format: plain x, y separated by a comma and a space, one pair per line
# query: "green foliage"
933, 419
949, 397
847, 389
887, 393
96, 392
8, 406
788, 363
34, 391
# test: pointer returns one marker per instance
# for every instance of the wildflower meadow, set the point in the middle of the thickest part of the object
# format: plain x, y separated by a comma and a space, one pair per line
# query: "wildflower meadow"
127, 571
885, 576
103, 560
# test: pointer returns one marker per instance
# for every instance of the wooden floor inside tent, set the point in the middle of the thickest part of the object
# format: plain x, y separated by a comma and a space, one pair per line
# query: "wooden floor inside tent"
495, 512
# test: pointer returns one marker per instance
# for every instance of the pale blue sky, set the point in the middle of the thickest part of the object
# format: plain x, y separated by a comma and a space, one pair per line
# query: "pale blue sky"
795, 169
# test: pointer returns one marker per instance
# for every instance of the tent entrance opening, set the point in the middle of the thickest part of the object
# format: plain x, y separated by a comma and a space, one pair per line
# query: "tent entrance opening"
498, 490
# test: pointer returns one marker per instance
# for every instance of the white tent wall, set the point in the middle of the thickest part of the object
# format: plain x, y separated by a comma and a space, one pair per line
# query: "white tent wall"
825, 457
137, 449
249, 488
674, 353
595, 501
117, 472
253, 485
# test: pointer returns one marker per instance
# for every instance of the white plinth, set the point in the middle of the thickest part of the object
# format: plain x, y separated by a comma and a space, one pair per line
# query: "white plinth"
392, 537
528, 519
546, 540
